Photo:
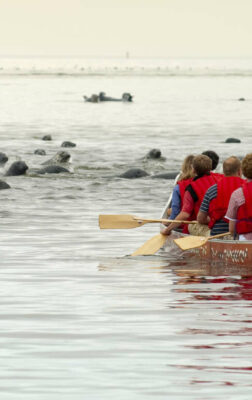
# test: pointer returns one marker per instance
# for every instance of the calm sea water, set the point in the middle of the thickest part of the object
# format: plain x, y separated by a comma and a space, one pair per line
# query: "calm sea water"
79, 318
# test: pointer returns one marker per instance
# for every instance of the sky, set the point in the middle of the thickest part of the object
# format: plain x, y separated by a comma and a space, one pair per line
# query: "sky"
110, 28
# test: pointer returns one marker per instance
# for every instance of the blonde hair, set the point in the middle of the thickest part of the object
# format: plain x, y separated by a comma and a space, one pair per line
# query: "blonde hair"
187, 168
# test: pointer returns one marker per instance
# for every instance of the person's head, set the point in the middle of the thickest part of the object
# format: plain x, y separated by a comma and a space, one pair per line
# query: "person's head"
247, 166
214, 157
202, 164
187, 168
232, 166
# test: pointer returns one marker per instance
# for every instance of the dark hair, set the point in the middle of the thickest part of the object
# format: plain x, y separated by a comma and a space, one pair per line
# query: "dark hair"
202, 164
214, 157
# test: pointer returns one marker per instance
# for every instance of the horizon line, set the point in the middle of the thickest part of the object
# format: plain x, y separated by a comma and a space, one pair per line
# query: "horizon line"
126, 56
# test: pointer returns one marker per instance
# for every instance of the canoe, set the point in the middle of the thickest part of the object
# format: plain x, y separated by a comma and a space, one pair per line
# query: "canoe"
226, 252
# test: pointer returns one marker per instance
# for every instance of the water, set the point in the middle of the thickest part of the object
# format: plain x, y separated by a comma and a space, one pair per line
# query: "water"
79, 318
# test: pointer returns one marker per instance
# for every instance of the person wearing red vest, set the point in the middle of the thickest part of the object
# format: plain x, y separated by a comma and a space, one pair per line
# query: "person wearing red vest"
194, 192
239, 211
183, 180
215, 203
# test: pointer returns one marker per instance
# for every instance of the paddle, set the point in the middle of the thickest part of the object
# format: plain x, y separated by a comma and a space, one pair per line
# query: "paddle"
125, 221
151, 246
191, 242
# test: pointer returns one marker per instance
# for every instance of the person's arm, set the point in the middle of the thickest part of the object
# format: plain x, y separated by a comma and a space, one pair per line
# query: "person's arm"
231, 227
182, 216
203, 218
176, 202
231, 214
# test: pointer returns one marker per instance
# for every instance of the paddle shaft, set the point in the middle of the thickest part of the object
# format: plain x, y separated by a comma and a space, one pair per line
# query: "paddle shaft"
219, 235
164, 221
125, 221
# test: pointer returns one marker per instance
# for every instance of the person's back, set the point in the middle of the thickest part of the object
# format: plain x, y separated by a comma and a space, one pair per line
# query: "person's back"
239, 211
203, 180
215, 203
183, 181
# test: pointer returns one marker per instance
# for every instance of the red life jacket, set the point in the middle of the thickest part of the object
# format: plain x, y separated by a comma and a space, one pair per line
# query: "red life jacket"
217, 176
245, 211
218, 206
182, 187
200, 186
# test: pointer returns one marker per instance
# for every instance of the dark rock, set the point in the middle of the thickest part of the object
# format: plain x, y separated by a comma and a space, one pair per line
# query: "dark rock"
17, 168
4, 185
167, 175
68, 144
3, 158
40, 152
134, 173
52, 169
232, 140
47, 137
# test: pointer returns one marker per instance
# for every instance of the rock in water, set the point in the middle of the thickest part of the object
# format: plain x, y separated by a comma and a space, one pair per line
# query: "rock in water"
232, 140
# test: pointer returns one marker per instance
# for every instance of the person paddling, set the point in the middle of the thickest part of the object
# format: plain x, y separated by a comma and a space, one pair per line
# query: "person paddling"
194, 194
183, 181
239, 211
215, 203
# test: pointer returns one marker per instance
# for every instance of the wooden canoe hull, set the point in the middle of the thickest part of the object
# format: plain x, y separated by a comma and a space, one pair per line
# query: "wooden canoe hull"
226, 252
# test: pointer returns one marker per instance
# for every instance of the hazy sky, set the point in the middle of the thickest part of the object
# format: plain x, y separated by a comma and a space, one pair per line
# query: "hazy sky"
170, 28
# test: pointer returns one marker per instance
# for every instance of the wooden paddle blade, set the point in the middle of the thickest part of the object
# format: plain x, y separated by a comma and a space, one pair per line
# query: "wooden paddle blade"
190, 242
122, 221
151, 246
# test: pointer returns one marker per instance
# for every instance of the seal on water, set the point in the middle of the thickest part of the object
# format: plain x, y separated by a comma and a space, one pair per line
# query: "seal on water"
61, 157
68, 144
40, 152
134, 173
126, 97
4, 185
3, 158
17, 168
52, 169
153, 154
167, 175
92, 99
47, 137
